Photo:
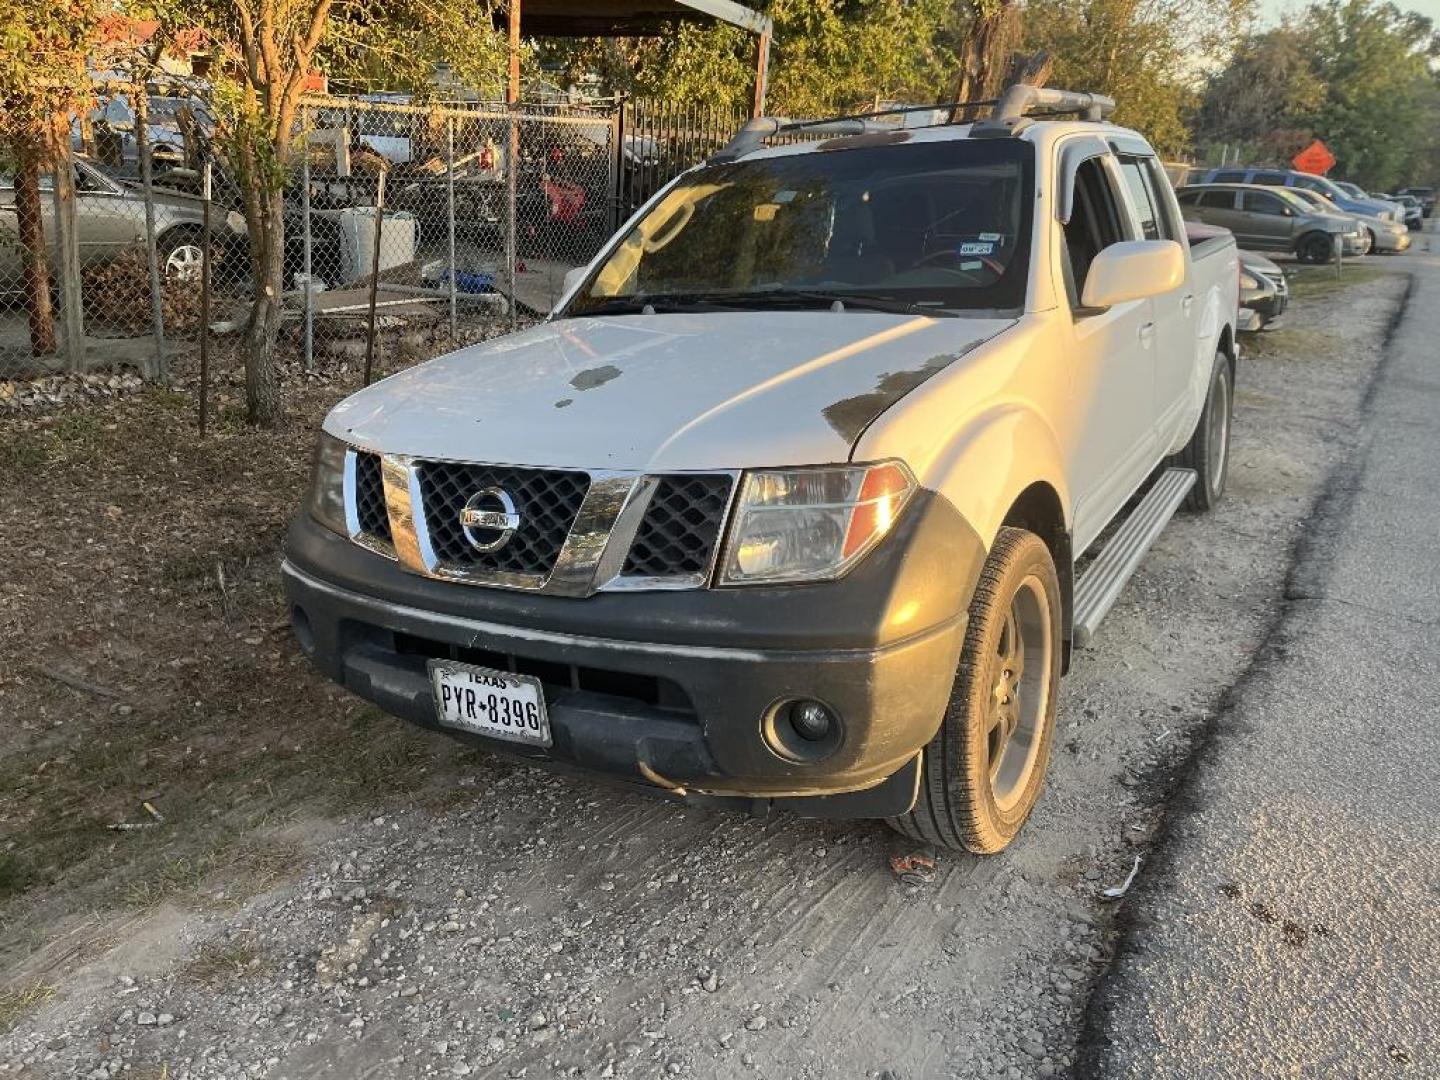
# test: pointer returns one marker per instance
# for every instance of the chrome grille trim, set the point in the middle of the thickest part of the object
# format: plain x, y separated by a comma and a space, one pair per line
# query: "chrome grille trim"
591, 559
377, 544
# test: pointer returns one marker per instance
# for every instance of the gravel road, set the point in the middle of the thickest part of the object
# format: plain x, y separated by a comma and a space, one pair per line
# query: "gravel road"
541, 926
1290, 929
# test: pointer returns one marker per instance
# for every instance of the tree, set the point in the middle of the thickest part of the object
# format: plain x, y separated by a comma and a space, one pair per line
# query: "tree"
827, 56
1374, 61
1147, 54
42, 79
266, 52
1264, 99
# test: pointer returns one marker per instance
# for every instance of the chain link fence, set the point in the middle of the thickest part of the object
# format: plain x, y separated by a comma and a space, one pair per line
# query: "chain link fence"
409, 229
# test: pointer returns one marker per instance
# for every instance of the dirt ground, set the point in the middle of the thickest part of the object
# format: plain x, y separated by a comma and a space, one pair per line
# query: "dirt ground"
322, 892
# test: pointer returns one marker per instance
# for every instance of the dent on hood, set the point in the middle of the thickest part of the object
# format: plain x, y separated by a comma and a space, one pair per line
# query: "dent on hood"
851, 416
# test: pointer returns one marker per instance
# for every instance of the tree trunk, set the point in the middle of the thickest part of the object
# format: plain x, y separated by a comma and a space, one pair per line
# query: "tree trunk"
267, 261
35, 261
985, 60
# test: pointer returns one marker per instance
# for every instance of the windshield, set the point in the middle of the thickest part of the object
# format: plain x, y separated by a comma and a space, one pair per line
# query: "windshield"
926, 226
1297, 202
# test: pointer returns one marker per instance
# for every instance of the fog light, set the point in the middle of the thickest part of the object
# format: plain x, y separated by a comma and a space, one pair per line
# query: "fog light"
811, 720
802, 730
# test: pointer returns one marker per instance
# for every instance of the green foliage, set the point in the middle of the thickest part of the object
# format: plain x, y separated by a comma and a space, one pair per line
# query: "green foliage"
1356, 73
1143, 55
828, 55
43, 47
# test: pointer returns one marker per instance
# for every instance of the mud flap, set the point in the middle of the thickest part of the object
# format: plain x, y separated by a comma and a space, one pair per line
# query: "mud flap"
893, 796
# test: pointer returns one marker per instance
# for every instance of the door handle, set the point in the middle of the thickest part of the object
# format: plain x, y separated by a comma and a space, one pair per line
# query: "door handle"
1146, 333
1187, 303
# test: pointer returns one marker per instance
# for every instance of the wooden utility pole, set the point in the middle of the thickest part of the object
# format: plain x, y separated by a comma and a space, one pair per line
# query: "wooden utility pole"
762, 72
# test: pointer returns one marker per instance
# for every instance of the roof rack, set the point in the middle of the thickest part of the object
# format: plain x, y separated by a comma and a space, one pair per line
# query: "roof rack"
1007, 117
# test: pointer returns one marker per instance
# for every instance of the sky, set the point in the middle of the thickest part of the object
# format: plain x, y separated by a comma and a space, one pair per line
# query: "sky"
1271, 10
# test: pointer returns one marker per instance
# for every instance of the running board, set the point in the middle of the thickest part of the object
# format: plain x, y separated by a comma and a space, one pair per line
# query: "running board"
1103, 582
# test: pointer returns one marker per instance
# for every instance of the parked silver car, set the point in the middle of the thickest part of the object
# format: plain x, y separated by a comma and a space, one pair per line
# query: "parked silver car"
1266, 219
1386, 237
110, 219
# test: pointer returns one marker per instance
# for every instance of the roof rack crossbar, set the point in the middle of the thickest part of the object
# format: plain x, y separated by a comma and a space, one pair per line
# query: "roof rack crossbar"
755, 132
1007, 116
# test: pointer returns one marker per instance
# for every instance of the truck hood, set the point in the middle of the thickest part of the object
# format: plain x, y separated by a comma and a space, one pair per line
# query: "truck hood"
661, 392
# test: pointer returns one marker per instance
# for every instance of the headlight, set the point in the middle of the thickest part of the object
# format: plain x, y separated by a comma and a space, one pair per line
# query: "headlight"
327, 484
812, 524
1248, 280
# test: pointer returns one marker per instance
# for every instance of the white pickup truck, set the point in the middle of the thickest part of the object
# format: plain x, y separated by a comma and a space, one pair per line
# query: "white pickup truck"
783, 503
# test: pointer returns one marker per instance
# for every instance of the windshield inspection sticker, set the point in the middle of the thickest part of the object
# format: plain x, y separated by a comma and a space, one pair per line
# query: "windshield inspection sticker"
990, 236
974, 248
976, 265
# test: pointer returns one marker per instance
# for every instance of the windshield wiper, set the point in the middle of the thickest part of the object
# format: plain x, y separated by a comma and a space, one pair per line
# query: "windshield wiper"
858, 301
808, 299
679, 303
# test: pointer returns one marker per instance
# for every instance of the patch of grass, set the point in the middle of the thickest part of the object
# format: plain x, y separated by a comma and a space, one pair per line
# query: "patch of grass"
1312, 282
220, 961
250, 867
16, 1003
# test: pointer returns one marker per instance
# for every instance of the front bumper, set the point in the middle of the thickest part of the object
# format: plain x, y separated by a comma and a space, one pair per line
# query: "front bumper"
673, 690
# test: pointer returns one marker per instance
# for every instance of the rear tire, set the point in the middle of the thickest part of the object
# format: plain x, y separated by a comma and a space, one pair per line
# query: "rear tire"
982, 773
1208, 451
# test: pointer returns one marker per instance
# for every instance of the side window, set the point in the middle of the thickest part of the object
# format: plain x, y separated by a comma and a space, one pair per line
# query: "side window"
1262, 202
1218, 200
1309, 184
1093, 226
1275, 178
1160, 191
1189, 198
1132, 169
1229, 176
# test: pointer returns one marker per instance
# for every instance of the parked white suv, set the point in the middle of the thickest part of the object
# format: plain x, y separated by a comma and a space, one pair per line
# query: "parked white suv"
784, 500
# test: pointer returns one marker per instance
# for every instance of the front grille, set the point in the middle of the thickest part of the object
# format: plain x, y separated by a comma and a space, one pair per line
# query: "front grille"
681, 527
546, 500
370, 497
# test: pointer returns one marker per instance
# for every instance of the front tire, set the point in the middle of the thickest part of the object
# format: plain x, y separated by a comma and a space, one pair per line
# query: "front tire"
1208, 451
982, 773
1316, 248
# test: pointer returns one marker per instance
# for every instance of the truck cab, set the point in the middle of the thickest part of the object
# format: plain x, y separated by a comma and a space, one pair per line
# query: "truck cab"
783, 502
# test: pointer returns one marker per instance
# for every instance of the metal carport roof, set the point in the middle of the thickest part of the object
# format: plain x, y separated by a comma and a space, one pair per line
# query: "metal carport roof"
630, 18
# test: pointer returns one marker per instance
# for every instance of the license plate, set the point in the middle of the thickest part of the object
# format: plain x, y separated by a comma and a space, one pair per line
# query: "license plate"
487, 702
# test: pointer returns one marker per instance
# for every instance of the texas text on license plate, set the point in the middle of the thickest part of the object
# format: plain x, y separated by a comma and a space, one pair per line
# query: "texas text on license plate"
487, 702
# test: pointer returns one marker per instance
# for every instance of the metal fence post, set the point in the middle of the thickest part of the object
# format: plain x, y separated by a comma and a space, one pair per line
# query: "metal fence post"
617, 164
308, 240
450, 218
375, 276
205, 301
512, 168
152, 253
67, 271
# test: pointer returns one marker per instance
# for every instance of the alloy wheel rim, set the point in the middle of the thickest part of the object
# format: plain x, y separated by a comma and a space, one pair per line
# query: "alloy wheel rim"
183, 264
1219, 448
1019, 695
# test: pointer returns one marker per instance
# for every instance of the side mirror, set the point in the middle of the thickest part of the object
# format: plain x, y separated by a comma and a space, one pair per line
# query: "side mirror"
1133, 270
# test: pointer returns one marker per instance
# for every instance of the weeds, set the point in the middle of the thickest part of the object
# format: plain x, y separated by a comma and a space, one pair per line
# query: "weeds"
16, 1003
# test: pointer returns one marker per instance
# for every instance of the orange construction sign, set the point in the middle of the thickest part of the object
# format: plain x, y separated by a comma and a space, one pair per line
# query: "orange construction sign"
1315, 158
